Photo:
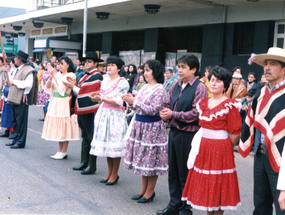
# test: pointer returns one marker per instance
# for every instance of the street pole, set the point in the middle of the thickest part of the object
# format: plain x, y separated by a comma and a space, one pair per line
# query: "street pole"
85, 28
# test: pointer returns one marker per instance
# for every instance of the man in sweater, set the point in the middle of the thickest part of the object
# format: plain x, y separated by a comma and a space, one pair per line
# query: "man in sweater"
183, 116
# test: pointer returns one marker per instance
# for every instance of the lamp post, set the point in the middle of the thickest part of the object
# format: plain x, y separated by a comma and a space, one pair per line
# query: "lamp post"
85, 29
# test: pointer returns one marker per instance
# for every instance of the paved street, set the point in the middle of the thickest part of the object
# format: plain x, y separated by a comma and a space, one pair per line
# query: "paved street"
32, 183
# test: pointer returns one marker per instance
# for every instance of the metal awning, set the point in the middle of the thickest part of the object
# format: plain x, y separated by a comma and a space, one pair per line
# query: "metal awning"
38, 50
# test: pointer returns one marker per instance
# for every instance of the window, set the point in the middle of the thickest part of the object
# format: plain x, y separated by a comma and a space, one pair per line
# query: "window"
243, 38
279, 34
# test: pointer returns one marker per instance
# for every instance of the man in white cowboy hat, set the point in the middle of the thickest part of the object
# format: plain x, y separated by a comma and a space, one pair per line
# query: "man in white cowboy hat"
86, 109
22, 93
264, 128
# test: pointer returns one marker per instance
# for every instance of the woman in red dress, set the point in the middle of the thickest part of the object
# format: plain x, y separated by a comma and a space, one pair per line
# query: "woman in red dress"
212, 183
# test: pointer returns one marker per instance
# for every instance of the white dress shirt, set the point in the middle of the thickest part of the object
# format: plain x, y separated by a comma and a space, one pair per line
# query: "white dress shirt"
26, 84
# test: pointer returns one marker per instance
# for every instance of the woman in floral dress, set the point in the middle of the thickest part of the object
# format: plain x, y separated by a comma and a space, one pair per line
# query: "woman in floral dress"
43, 96
212, 183
59, 125
110, 124
146, 151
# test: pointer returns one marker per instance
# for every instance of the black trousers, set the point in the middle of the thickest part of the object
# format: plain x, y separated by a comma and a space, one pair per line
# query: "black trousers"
20, 114
265, 183
85, 122
179, 146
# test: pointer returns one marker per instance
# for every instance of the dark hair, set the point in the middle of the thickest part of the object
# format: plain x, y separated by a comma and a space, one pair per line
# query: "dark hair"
237, 67
69, 62
221, 74
251, 93
1, 58
254, 75
157, 70
169, 70
141, 67
282, 64
134, 68
191, 60
116, 60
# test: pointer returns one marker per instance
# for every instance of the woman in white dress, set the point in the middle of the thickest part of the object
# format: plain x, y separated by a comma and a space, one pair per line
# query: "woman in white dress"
110, 124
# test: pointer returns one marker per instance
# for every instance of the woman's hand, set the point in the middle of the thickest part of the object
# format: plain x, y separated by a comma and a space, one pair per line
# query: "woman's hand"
95, 97
52, 73
165, 114
128, 98
70, 82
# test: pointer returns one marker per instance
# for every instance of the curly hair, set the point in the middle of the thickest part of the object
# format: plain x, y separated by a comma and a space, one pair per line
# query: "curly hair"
221, 74
157, 70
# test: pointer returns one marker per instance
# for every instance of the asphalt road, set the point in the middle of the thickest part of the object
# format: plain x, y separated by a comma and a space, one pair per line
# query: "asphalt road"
33, 183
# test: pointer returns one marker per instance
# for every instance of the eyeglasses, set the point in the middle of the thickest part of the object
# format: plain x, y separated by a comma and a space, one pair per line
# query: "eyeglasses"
89, 61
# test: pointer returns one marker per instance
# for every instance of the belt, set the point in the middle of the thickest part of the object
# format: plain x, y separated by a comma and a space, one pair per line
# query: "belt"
146, 118
261, 149
56, 94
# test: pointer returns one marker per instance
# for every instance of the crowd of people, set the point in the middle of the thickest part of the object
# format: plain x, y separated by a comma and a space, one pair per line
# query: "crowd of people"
161, 121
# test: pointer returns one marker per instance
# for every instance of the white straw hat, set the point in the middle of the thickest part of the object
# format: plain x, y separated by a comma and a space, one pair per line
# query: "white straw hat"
237, 75
273, 53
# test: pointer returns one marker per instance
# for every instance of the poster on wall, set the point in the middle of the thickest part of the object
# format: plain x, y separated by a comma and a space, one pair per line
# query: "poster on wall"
198, 55
170, 59
104, 56
147, 56
180, 53
131, 57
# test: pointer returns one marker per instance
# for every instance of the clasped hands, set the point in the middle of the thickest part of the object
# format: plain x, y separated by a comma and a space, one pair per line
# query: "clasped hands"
129, 98
70, 82
95, 97
165, 114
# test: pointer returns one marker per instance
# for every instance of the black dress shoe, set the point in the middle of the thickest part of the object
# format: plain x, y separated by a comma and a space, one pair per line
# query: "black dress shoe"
185, 212
10, 143
166, 211
114, 182
104, 181
5, 134
81, 166
88, 171
144, 200
42, 120
16, 146
137, 197
11, 135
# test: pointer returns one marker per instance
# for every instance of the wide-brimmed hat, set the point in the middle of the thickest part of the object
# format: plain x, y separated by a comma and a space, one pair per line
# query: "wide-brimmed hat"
93, 56
273, 53
23, 56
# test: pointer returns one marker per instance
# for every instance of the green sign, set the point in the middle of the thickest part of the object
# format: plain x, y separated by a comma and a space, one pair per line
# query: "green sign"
10, 48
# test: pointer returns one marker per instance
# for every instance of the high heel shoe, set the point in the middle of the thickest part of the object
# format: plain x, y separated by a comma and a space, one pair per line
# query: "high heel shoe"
144, 200
114, 182
137, 197
104, 181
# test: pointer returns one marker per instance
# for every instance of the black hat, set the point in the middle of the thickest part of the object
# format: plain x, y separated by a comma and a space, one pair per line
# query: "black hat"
93, 56
22, 55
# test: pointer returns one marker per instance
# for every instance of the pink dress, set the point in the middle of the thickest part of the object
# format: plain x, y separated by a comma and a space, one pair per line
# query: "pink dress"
58, 124
212, 183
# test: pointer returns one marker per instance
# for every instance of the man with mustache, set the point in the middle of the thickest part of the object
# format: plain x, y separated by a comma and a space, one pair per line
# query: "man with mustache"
264, 128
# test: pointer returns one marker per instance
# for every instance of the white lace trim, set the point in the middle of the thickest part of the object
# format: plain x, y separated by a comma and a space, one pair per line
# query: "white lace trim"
211, 208
214, 172
222, 112
147, 144
145, 168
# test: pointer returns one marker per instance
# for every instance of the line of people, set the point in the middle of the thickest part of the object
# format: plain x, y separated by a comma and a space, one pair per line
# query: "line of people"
203, 130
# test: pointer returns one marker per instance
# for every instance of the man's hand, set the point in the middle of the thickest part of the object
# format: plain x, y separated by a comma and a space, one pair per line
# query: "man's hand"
165, 114
281, 200
69, 83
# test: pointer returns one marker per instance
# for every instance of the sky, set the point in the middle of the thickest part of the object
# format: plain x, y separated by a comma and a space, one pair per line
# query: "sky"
13, 3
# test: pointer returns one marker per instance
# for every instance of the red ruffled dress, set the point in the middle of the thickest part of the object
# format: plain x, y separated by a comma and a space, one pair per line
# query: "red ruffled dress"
212, 183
